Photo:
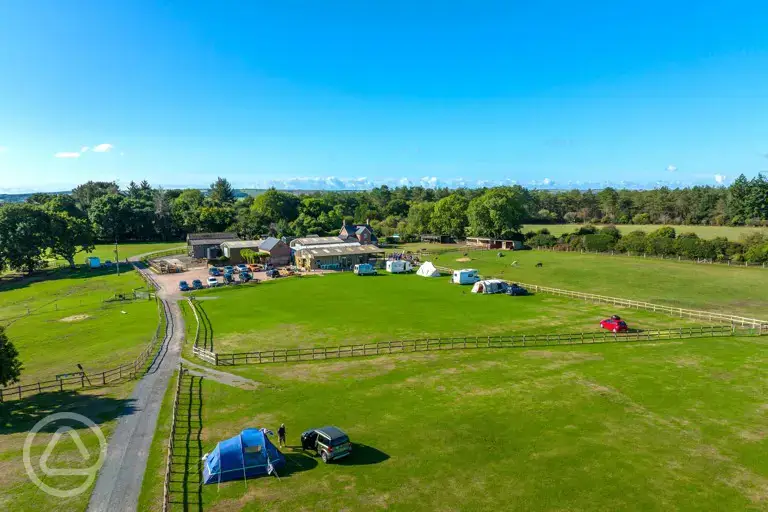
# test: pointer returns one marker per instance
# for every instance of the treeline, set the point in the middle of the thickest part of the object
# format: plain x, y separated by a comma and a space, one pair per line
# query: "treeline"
65, 225
665, 242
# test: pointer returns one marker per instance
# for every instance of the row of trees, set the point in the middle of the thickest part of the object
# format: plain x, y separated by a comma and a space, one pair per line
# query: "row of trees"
100, 211
664, 241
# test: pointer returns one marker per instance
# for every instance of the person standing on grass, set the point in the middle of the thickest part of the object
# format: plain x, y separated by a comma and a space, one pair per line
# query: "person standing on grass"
281, 435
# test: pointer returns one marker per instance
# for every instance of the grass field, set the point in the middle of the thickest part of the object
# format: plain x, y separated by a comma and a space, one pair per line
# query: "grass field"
107, 251
19, 493
674, 425
344, 308
708, 232
682, 284
59, 319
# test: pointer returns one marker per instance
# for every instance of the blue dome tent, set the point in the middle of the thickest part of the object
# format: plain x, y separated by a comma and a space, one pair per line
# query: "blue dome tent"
248, 454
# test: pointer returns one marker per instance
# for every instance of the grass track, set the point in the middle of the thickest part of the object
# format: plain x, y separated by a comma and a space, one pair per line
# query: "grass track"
707, 232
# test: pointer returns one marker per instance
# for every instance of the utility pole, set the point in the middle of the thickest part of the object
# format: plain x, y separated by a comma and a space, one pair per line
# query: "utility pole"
117, 258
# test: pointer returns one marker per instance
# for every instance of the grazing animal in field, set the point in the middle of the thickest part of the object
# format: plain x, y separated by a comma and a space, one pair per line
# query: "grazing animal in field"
539, 264
514, 263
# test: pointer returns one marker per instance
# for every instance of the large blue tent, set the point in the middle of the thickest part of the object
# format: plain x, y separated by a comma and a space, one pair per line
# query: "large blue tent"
248, 454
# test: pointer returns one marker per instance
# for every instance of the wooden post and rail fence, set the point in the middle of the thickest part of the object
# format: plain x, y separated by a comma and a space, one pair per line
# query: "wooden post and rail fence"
81, 380
171, 441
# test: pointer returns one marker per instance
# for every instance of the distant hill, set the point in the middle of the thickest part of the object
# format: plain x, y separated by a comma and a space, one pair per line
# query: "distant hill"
20, 198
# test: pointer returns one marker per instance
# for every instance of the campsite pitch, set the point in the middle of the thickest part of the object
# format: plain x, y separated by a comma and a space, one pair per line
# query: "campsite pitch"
644, 426
337, 309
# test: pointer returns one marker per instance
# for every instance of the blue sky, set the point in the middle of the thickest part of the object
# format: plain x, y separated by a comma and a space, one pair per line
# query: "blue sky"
296, 92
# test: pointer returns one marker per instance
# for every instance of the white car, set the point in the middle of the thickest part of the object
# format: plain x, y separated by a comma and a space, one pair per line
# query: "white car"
213, 282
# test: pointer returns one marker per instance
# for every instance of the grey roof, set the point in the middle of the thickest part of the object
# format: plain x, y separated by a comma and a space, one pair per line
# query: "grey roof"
241, 244
268, 244
209, 241
211, 236
339, 251
318, 240
360, 230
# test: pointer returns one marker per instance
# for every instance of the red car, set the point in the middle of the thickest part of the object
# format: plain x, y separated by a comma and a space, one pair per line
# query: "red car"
614, 324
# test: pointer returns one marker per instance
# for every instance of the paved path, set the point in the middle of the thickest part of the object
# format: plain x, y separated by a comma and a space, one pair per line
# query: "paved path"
119, 482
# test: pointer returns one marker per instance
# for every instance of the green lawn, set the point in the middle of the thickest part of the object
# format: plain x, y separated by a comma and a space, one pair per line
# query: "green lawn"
730, 232
19, 494
344, 308
59, 319
107, 251
683, 284
673, 425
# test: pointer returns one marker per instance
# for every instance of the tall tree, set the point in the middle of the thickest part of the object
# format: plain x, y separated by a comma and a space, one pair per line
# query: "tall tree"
275, 206
25, 234
450, 216
87, 193
10, 366
186, 210
110, 217
70, 236
221, 192
497, 213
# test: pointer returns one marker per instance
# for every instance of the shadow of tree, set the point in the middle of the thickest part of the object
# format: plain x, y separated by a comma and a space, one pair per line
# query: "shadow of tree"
21, 415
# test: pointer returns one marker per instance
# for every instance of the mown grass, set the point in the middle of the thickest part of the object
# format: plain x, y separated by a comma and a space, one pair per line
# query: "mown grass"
344, 308
19, 494
107, 251
708, 232
683, 284
61, 319
673, 425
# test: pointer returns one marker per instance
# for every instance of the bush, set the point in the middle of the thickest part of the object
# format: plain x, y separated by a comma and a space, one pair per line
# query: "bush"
641, 218
632, 242
586, 230
611, 231
660, 246
542, 241
598, 242
544, 231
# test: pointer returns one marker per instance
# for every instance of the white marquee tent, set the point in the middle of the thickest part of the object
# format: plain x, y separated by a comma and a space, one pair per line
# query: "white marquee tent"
428, 270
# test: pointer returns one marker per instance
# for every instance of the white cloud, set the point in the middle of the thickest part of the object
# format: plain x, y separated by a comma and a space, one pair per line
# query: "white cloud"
720, 179
84, 149
67, 154
103, 148
671, 168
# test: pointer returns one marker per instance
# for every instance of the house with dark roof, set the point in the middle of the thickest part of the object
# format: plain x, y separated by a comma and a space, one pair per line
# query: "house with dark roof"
279, 252
362, 233
199, 243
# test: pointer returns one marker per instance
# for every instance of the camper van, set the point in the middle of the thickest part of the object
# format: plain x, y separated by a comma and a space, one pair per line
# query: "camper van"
465, 276
399, 266
365, 269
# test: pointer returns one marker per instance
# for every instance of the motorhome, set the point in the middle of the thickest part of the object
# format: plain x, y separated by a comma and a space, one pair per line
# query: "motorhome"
465, 276
399, 266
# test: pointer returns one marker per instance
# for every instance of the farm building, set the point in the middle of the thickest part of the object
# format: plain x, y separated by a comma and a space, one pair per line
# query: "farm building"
199, 243
362, 233
493, 243
437, 239
279, 252
336, 257
313, 242
232, 249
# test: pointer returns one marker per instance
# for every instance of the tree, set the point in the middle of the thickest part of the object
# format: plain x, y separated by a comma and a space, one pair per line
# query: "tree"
216, 218
10, 366
109, 215
450, 216
69, 236
87, 193
420, 217
185, 210
633, 242
497, 213
275, 205
25, 234
221, 192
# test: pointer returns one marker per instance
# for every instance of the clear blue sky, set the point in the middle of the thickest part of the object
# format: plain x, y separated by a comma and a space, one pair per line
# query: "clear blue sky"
255, 91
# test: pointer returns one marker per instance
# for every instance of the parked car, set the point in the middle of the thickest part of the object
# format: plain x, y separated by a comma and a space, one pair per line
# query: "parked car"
242, 267
184, 286
213, 282
273, 273
614, 324
330, 443
229, 269
245, 276
214, 271
229, 278
197, 284
516, 290
255, 267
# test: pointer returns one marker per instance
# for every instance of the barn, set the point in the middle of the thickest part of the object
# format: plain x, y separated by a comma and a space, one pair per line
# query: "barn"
336, 257
232, 249
279, 252
199, 243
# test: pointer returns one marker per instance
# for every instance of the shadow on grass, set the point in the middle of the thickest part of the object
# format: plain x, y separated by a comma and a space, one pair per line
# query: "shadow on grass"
362, 455
21, 415
297, 462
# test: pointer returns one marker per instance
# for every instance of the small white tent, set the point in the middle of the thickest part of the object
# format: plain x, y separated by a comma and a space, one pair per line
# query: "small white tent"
490, 286
428, 270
